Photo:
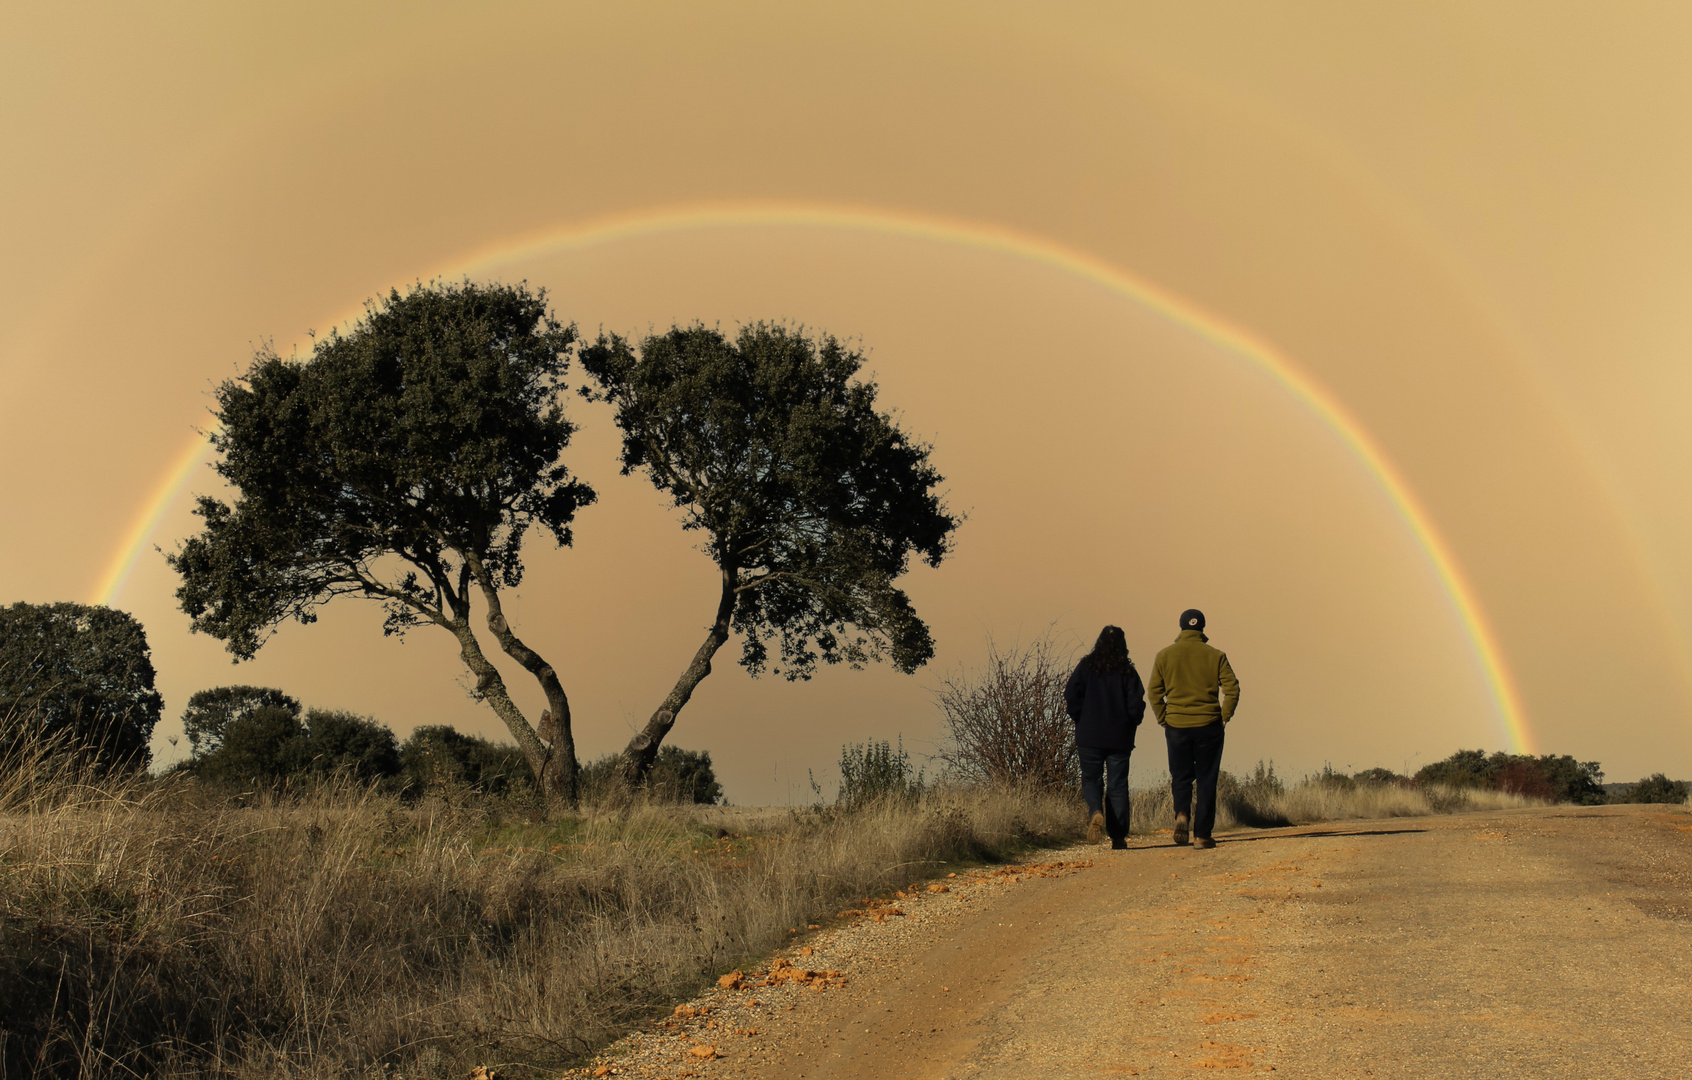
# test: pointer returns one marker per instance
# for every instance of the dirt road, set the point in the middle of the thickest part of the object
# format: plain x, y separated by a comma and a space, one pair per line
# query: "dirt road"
1542, 943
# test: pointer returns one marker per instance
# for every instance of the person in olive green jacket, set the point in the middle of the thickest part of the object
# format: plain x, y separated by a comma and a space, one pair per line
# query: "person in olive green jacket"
1194, 693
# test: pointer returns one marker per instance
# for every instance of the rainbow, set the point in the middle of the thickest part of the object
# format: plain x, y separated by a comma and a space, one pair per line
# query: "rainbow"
980, 236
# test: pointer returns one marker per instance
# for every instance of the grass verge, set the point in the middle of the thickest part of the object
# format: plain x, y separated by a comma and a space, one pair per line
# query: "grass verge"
151, 926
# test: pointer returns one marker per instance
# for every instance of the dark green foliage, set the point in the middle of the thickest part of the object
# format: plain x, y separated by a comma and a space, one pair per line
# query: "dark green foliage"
80, 677
270, 745
873, 771
437, 756
1657, 788
678, 775
1465, 768
1378, 775
1574, 781
1558, 778
346, 743
431, 432
685, 776
209, 712
405, 462
266, 746
809, 499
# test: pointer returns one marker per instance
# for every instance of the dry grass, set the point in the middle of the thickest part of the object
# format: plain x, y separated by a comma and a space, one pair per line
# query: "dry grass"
152, 926
1245, 804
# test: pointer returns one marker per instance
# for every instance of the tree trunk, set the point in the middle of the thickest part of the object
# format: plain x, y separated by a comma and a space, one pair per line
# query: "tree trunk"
554, 765
642, 750
556, 787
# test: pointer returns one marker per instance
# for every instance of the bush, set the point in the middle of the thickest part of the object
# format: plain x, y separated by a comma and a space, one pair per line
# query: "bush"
436, 756
677, 776
270, 745
344, 742
1554, 777
78, 679
875, 772
266, 746
1464, 769
1007, 720
1657, 788
210, 712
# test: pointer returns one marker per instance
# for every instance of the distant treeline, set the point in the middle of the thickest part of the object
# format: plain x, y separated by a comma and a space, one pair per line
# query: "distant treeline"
1555, 777
247, 736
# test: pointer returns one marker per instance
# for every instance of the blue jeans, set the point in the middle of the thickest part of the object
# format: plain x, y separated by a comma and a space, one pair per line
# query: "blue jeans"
1110, 766
1195, 759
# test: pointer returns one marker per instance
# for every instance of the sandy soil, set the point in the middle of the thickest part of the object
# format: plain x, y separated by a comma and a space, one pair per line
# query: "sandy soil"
1530, 943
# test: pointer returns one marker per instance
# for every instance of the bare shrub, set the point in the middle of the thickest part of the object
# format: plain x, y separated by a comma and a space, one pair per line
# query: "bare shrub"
1007, 719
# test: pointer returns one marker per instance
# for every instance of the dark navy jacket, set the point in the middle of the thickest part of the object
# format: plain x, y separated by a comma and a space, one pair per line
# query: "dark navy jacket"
1106, 706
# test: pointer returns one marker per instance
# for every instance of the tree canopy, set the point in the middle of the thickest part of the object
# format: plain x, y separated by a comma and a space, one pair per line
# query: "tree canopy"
210, 712
80, 678
406, 462
270, 744
810, 500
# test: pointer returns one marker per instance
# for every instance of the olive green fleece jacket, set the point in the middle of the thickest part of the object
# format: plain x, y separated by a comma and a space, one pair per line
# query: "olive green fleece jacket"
1185, 681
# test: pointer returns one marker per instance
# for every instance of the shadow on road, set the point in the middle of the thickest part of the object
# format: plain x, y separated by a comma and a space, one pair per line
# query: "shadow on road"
1220, 840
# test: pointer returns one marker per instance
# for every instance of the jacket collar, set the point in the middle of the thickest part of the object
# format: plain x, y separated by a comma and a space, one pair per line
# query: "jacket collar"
1191, 635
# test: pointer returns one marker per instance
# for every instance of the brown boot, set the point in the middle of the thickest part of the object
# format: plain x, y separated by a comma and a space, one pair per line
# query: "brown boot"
1181, 830
1095, 827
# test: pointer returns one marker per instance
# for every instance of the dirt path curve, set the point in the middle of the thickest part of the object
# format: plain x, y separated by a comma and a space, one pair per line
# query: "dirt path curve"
1542, 943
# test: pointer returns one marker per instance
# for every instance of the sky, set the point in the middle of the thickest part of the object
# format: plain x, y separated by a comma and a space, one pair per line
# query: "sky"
1361, 328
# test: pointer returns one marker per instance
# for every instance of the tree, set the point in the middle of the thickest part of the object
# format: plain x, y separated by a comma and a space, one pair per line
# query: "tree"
404, 462
210, 712
809, 501
80, 677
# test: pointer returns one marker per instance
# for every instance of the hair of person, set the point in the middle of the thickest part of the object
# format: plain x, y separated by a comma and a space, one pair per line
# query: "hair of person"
1110, 652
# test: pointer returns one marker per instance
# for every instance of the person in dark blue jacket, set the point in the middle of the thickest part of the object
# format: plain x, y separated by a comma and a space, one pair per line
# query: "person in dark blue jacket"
1106, 700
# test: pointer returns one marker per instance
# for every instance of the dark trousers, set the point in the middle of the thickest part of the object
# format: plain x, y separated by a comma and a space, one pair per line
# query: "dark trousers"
1110, 767
1195, 757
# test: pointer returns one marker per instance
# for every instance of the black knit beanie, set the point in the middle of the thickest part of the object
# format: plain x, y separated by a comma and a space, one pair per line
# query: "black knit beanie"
1192, 619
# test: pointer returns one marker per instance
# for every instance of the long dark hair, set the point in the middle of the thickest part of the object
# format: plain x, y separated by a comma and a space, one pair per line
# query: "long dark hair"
1110, 652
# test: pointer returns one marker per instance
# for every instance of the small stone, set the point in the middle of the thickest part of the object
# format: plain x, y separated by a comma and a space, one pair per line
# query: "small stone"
704, 1053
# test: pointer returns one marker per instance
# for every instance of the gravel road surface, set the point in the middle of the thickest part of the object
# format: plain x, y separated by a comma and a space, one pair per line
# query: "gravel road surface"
1529, 943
